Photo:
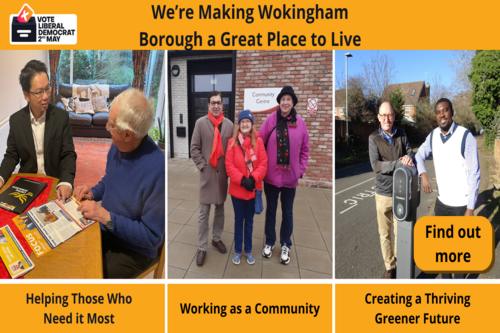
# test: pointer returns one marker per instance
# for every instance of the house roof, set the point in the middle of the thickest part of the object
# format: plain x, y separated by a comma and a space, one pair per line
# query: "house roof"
408, 119
340, 98
407, 89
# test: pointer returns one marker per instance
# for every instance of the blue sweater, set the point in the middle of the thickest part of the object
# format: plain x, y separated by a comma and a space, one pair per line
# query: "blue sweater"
133, 191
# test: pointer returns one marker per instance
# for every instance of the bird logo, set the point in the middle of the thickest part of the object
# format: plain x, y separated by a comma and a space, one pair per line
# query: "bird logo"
22, 197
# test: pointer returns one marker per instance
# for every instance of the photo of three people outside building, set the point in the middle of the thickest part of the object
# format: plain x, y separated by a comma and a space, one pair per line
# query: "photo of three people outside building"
435, 113
252, 140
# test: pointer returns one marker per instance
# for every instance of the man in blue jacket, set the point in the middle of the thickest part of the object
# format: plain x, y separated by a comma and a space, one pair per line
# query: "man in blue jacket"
132, 213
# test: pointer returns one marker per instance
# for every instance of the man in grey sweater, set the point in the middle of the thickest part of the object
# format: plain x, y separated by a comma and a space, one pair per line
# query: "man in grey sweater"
388, 148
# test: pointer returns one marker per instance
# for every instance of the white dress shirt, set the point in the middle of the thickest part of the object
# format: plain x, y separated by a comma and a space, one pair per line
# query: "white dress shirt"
38, 130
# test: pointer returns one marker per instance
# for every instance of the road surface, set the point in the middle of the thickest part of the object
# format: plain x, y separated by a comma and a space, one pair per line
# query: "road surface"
357, 243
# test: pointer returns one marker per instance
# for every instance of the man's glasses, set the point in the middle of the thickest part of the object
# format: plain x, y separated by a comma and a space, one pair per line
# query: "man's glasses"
109, 128
215, 103
39, 94
389, 116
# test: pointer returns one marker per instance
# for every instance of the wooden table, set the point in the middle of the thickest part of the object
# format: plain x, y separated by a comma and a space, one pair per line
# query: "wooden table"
78, 258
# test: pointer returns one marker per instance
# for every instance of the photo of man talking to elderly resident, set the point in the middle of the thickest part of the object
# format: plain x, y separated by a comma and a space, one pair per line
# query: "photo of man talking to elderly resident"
416, 136
89, 135
250, 165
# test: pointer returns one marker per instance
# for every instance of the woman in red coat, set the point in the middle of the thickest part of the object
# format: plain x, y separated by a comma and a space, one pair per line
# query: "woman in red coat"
246, 166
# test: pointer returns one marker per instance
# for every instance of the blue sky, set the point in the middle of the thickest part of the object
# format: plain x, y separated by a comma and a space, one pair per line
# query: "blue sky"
410, 65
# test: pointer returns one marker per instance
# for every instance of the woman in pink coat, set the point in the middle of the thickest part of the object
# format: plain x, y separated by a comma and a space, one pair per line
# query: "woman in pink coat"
287, 145
246, 166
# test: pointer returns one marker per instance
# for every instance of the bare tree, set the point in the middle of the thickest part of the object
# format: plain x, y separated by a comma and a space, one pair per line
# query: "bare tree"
425, 118
462, 111
462, 67
339, 79
378, 73
439, 90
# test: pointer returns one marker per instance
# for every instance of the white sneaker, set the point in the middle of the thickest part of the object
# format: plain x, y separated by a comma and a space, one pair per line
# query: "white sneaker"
285, 258
267, 252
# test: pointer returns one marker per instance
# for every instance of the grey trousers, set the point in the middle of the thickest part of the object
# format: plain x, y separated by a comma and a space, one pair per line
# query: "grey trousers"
203, 225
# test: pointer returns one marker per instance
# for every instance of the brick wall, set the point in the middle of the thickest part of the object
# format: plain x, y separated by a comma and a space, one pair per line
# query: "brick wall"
337, 113
179, 106
180, 102
310, 75
413, 109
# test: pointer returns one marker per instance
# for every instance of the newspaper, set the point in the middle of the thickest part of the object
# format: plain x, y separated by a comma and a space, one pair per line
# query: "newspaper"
57, 222
34, 238
15, 259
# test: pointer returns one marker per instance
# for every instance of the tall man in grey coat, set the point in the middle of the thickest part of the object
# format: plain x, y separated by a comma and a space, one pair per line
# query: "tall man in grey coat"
213, 179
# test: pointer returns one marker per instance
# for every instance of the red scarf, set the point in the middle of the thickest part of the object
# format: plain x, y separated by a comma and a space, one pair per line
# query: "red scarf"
217, 143
246, 146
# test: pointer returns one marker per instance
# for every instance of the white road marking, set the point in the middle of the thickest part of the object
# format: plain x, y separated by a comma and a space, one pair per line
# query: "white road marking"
355, 185
347, 209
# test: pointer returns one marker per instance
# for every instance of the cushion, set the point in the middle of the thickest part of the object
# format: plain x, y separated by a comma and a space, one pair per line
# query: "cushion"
84, 107
100, 104
80, 119
100, 119
66, 90
90, 91
69, 103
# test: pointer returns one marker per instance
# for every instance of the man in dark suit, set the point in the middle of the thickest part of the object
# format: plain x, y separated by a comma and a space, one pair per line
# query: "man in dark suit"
40, 135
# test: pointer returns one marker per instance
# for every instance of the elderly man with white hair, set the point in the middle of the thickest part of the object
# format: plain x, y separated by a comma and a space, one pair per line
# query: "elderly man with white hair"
132, 213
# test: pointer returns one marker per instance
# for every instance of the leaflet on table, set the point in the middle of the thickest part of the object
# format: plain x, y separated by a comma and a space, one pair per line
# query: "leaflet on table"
17, 197
34, 238
57, 222
15, 259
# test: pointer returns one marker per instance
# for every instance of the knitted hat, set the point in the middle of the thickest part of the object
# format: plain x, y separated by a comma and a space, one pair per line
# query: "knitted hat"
287, 90
245, 114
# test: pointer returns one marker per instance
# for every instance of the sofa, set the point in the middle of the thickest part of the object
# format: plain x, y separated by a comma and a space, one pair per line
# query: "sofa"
88, 125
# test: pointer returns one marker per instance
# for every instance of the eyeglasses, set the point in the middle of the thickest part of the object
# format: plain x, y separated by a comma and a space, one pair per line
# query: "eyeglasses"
215, 103
390, 116
39, 94
109, 128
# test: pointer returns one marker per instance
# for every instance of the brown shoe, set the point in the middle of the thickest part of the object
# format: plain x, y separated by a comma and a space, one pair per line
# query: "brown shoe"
390, 274
219, 246
200, 257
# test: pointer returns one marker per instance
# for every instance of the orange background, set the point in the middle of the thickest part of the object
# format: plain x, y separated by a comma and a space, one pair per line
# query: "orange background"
146, 312
249, 294
353, 314
381, 25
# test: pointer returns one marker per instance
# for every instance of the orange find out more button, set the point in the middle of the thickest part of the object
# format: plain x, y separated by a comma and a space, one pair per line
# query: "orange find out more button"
454, 244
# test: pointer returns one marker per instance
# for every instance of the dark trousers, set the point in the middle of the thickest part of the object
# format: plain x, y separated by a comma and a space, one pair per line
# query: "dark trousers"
120, 262
443, 210
244, 210
287, 197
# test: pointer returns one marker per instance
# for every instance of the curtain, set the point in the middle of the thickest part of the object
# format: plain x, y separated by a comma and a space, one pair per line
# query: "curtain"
141, 59
54, 56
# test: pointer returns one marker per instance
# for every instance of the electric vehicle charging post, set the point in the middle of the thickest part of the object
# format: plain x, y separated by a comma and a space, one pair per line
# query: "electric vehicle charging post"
405, 200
